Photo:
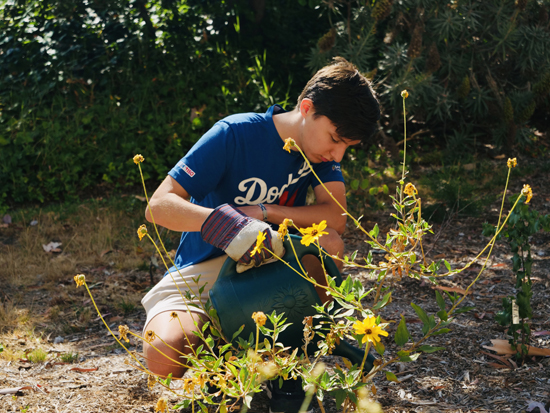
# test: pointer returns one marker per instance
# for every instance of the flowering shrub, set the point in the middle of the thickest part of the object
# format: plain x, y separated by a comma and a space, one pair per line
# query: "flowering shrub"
228, 371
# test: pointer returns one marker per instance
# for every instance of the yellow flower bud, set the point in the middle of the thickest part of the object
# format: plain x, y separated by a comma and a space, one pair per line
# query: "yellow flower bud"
138, 159
283, 228
410, 189
79, 279
527, 192
142, 231
404, 94
259, 318
150, 336
123, 332
161, 406
512, 162
289, 143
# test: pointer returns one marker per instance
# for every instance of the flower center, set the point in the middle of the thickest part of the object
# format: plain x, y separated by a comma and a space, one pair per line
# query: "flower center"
368, 331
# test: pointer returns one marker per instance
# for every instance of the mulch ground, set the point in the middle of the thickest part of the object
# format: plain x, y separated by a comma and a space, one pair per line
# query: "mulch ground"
465, 377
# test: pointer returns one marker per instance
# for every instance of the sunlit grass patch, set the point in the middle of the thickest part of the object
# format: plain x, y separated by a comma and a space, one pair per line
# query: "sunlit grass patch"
38, 355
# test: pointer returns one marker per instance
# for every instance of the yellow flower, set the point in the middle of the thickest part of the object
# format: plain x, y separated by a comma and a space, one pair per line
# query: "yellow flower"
259, 244
527, 192
313, 233
259, 318
188, 385
410, 189
123, 331
283, 228
173, 314
142, 231
79, 279
404, 94
201, 380
150, 336
161, 406
369, 329
512, 162
289, 143
151, 381
138, 159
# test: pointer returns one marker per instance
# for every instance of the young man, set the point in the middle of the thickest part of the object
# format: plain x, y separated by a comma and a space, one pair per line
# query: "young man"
238, 180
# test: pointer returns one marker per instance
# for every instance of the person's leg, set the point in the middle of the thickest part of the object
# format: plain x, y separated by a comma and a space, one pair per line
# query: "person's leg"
160, 358
334, 245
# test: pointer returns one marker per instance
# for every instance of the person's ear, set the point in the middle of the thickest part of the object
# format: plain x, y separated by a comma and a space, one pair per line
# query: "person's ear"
306, 106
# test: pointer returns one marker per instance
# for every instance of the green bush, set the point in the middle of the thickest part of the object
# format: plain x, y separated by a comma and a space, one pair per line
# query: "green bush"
475, 69
85, 86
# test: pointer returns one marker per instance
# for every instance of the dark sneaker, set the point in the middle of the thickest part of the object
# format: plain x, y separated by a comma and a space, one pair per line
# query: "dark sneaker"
288, 398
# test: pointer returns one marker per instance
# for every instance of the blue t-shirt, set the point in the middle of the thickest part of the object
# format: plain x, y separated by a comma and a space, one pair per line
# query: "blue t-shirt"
241, 161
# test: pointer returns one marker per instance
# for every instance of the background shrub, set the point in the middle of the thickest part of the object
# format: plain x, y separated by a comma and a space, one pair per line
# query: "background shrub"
86, 85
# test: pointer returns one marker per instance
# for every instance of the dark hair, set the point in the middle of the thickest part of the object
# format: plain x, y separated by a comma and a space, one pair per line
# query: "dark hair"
342, 94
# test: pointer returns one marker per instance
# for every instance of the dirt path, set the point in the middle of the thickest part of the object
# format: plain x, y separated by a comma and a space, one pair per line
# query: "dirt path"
465, 377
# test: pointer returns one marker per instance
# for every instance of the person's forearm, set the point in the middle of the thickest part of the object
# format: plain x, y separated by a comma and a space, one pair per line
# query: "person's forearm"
177, 214
305, 216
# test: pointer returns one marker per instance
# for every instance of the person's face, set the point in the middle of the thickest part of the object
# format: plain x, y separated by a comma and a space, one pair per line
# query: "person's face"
318, 139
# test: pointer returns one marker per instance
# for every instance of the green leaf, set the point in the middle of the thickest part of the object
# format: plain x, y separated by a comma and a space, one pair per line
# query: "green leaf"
430, 349
440, 300
447, 265
236, 333
464, 309
391, 377
168, 380
339, 396
383, 302
406, 356
443, 315
402, 334
375, 231
380, 348
354, 184
421, 314
364, 183
442, 331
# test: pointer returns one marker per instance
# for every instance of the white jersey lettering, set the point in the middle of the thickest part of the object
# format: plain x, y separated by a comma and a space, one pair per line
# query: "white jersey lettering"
249, 187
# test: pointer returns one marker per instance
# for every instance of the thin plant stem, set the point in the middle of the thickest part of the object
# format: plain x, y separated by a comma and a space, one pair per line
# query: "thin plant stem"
404, 141
367, 348
110, 331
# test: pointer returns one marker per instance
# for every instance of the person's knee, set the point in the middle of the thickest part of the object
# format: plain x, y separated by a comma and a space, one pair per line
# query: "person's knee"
166, 353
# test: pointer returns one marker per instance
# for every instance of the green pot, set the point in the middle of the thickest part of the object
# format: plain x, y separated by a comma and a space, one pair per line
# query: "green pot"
276, 287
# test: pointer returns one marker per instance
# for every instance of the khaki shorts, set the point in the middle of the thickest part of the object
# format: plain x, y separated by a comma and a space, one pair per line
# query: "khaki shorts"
165, 296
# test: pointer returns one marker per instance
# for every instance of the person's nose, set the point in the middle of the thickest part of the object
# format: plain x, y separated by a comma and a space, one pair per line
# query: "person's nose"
338, 152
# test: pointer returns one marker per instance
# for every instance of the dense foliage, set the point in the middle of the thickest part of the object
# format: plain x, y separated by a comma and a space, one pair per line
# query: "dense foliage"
86, 85
476, 70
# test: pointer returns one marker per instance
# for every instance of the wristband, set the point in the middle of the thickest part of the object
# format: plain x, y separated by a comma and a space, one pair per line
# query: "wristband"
264, 211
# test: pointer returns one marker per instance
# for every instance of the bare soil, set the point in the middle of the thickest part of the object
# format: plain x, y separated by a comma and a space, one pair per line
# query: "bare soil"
465, 377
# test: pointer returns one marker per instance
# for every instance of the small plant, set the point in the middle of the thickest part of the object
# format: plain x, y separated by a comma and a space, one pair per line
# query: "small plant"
37, 356
69, 357
126, 306
517, 311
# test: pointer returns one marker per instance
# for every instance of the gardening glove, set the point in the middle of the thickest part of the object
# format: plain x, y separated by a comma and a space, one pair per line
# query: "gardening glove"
236, 233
